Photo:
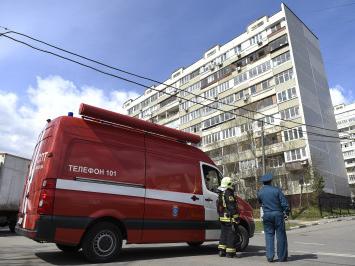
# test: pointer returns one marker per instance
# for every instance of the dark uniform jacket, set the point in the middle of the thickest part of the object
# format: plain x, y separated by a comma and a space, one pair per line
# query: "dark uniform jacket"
272, 199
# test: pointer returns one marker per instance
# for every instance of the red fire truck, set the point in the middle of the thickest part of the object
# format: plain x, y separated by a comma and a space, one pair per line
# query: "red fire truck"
103, 178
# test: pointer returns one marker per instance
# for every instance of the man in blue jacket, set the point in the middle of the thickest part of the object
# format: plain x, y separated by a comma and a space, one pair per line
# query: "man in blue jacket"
275, 211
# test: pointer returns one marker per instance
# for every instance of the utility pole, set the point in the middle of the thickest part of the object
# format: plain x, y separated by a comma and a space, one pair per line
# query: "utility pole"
263, 147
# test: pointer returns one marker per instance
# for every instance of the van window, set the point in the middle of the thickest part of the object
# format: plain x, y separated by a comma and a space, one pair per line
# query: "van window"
212, 178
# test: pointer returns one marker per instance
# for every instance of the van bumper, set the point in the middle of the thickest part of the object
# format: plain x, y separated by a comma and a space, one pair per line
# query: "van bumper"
46, 227
43, 232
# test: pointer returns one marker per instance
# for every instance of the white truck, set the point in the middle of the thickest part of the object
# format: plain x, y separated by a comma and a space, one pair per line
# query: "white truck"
13, 170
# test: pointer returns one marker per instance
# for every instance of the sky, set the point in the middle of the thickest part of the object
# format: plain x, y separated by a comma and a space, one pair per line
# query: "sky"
151, 38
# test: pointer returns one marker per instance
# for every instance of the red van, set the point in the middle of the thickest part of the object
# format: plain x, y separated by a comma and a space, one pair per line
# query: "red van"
106, 177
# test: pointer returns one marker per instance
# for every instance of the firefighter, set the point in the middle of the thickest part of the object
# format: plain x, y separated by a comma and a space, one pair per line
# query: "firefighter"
228, 217
275, 212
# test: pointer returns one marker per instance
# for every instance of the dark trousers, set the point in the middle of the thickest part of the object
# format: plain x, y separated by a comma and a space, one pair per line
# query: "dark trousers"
274, 222
228, 237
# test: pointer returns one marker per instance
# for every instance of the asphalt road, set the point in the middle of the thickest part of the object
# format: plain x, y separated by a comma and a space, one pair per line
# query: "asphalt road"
327, 244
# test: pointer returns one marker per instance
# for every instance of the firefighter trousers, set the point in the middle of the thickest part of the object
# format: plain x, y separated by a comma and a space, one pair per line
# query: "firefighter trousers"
228, 238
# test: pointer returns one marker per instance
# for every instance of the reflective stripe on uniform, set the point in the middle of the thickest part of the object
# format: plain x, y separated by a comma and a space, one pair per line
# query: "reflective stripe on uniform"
231, 250
225, 219
222, 246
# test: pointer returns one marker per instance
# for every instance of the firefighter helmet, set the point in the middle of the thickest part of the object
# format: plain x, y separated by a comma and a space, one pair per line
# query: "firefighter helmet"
226, 182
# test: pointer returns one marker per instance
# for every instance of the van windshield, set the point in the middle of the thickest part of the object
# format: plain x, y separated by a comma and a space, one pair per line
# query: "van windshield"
212, 178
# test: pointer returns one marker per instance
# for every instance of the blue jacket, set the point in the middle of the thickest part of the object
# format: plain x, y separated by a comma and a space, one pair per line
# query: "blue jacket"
272, 199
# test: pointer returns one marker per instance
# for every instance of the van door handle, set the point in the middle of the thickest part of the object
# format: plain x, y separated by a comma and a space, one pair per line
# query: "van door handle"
194, 198
208, 199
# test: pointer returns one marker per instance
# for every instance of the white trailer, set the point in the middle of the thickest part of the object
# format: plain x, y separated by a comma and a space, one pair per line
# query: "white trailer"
13, 170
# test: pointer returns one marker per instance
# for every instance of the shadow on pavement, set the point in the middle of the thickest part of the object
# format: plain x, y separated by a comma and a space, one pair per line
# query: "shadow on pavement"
7, 233
145, 253
253, 251
302, 257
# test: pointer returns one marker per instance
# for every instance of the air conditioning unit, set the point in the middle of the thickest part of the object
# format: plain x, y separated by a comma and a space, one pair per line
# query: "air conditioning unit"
220, 64
216, 97
260, 43
239, 68
239, 55
246, 97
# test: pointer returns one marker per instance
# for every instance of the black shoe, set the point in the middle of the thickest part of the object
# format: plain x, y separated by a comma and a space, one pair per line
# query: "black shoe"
221, 253
270, 259
238, 255
230, 255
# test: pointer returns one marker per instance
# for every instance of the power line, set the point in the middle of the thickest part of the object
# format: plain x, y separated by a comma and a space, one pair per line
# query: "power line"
153, 80
334, 7
145, 86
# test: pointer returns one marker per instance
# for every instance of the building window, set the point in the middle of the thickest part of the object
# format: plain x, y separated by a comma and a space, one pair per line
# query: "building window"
211, 138
284, 76
247, 164
278, 43
282, 58
290, 113
275, 161
294, 133
228, 133
255, 39
275, 27
258, 70
286, 95
240, 78
295, 155
246, 127
227, 100
267, 120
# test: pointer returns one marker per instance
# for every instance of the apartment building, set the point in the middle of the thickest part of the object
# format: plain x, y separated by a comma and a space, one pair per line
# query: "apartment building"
269, 80
345, 118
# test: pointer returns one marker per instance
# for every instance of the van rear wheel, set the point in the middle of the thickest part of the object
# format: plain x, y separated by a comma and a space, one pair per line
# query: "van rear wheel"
67, 248
102, 242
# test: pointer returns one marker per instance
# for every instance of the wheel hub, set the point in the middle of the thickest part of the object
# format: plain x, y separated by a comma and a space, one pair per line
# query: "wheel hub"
104, 243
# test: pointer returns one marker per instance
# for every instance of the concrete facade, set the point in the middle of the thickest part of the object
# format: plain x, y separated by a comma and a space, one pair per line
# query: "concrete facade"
271, 77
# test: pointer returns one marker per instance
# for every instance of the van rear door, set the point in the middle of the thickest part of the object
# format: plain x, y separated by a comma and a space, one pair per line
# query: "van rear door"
37, 172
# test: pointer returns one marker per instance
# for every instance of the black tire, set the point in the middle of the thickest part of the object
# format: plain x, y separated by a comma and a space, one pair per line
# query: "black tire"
195, 244
68, 249
102, 242
242, 239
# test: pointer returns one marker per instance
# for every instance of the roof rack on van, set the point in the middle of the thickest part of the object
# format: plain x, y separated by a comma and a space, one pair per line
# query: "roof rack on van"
97, 113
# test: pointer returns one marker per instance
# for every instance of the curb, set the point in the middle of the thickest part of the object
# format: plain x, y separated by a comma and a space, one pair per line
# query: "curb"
321, 222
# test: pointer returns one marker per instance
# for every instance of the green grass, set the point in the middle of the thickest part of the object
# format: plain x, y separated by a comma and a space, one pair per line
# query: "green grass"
313, 213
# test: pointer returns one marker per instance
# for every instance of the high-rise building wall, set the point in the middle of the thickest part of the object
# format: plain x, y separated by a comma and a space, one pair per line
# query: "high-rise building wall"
317, 108
269, 79
345, 118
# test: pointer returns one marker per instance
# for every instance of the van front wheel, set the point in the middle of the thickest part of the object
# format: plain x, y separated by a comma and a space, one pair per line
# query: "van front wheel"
242, 240
102, 243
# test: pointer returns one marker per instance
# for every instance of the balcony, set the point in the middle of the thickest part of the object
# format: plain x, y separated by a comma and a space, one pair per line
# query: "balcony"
296, 166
